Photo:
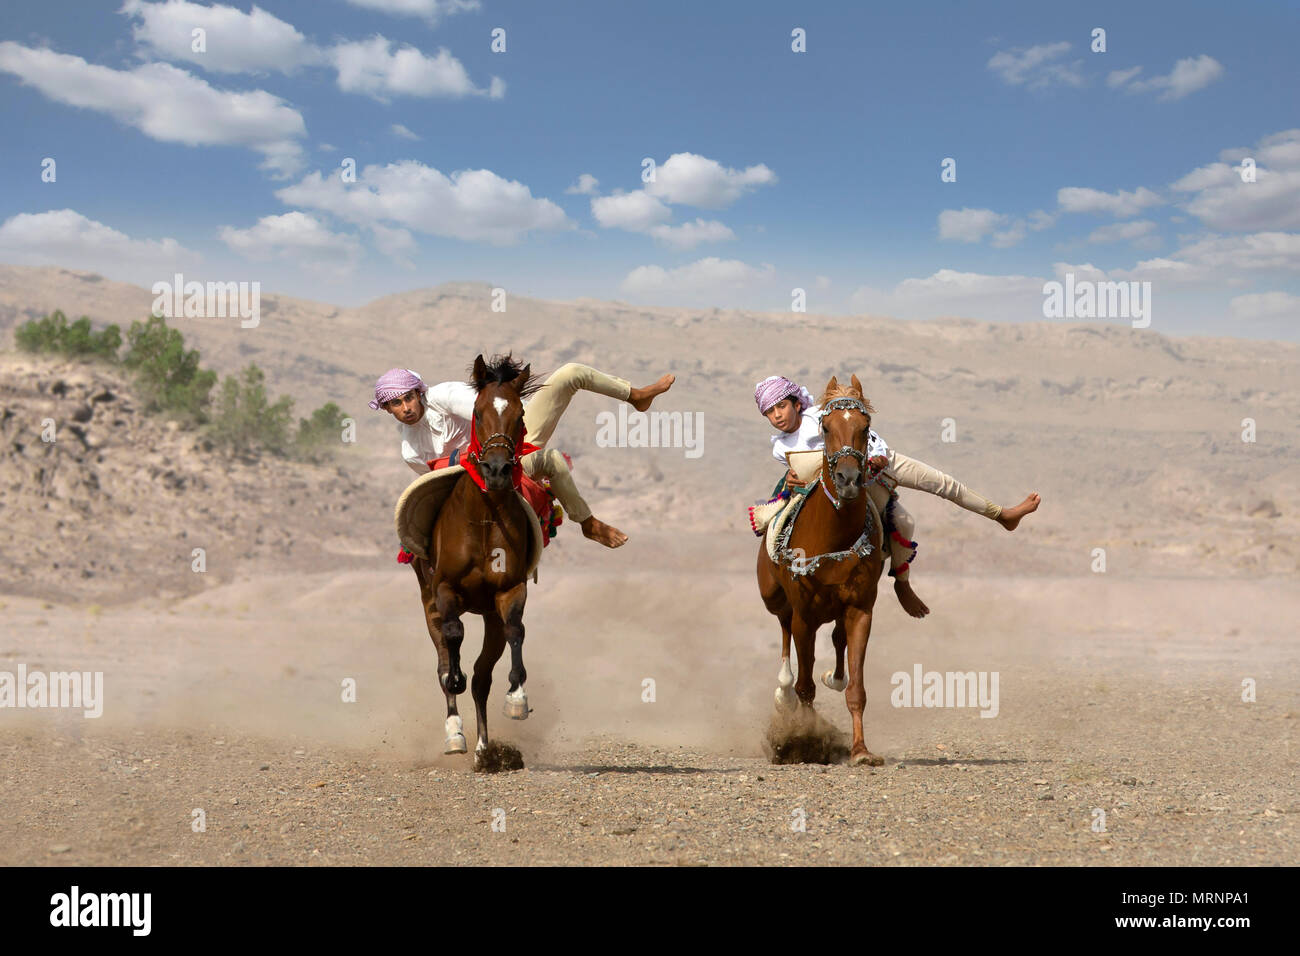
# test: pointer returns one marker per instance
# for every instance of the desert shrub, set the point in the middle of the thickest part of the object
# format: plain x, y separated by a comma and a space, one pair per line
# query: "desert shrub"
53, 335
167, 374
244, 422
318, 436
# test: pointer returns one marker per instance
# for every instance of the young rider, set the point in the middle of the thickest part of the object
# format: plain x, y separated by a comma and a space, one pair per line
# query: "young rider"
790, 409
435, 421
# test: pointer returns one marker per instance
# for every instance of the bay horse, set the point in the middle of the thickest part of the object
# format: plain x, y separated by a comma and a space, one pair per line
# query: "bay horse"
480, 551
830, 563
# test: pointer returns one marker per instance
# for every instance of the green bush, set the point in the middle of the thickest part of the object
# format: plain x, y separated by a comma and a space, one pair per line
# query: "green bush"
169, 380
166, 373
319, 435
243, 422
53, 335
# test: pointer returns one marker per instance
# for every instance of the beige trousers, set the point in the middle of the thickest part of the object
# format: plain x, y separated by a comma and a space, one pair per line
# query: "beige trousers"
542, 415
910, 473
903, 524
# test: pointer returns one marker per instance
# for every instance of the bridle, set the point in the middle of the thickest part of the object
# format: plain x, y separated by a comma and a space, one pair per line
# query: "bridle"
838, 404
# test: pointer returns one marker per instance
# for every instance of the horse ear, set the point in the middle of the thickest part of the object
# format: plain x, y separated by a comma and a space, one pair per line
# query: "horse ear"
522, 378
480, 372
857, 386
832, 385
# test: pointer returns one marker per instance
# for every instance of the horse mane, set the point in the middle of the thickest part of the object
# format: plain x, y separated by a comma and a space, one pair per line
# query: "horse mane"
846, 391
502, 369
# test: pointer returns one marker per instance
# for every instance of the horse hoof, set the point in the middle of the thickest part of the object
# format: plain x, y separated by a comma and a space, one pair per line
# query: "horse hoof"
786, 699
516, 705
829, 680
865, 756
455, 736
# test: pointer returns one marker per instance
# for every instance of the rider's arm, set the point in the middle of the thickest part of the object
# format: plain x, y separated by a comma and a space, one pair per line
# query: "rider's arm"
452, 398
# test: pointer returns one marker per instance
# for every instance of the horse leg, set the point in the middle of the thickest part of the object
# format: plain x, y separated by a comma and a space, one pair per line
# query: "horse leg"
805, 642
453, 633
494, 642
858, 623
777, 603
510, 608
835, 679
785, 698
454, 729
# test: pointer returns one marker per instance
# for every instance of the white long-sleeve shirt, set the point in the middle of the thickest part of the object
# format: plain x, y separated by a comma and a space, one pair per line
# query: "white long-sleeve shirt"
448, 417
808, 437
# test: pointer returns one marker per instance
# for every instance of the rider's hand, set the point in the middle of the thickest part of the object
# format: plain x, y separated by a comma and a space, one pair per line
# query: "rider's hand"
877, 464
791, 478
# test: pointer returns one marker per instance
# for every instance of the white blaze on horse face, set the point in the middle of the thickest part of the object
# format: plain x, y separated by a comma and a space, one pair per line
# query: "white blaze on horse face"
500, 404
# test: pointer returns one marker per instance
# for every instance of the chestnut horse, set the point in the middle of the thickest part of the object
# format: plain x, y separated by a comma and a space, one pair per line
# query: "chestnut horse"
480, 548
830, 563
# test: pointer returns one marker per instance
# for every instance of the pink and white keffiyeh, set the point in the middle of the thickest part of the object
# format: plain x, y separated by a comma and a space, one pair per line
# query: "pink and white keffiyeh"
774, 388
395, 383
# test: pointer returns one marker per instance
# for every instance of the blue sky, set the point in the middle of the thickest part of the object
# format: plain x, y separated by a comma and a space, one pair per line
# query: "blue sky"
775, 169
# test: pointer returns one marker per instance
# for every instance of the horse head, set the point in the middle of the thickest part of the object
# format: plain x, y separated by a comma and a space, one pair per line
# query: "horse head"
846, 424
498, 424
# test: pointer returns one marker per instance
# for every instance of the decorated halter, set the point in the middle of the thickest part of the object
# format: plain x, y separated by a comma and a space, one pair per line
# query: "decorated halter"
842, 404
517, 450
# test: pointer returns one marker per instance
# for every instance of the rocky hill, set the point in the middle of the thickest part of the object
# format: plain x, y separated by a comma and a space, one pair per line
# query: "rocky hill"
113, 508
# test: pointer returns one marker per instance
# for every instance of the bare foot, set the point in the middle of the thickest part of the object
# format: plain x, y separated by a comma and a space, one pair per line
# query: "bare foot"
598, 531
640, 398
1010, 517
912, 604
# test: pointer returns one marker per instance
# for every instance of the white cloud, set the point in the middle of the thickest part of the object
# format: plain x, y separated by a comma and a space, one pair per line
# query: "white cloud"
688, 235
1117, 78
1221, 200
1271, 251
236, 42
470, 204
972, 225
67, 238
822, 282
1119, 204
1188, 75
1265, 305
397, 244
374, 68
430, 10
1138, 231
401, 131
968, 225
585, 186
166, 103
692, 180
949, 292
705, 280
1037, 66
635, 211
296, 236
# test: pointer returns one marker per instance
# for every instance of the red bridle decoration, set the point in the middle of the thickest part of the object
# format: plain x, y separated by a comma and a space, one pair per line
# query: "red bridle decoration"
472, 453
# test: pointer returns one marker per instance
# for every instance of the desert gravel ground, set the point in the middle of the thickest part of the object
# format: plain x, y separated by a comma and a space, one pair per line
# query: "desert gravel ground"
1149, 728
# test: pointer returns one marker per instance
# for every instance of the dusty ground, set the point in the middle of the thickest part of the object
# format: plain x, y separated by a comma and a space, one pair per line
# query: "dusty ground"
235, 709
